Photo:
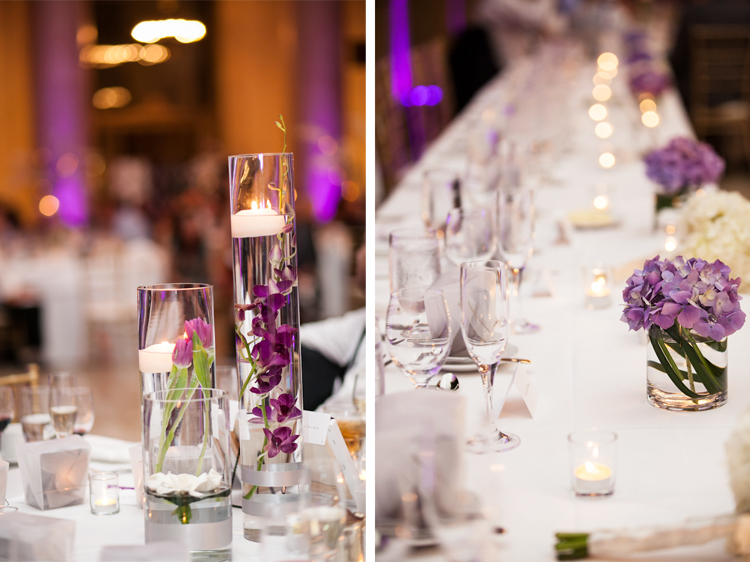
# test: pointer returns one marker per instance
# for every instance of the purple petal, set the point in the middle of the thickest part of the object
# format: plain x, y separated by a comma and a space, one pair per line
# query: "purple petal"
260, 291
689, 316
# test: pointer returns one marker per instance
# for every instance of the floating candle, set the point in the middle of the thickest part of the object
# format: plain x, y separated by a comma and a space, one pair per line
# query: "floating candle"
257, 221
156, 358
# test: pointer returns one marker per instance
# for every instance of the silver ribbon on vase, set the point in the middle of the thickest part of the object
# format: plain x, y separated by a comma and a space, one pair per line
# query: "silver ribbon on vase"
288, 483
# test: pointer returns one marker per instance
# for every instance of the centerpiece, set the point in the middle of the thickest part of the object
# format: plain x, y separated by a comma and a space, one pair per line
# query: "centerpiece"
266, 332
681, 167
689, 308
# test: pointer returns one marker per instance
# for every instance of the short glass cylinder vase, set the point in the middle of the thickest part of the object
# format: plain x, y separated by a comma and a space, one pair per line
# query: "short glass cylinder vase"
187, 470
666, 206
267, 335
168, 315
685, 371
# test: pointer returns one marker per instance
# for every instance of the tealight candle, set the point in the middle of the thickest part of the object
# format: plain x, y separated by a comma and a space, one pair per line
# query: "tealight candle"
156, 358
592, 458
598, 286
105, 493
257, 221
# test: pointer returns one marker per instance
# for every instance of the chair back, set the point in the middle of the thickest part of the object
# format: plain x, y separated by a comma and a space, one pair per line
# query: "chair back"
30, 378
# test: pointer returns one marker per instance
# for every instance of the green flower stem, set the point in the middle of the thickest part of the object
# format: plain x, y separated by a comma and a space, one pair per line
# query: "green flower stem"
265, 442
170, 436
571, 546
702, 369
669, 366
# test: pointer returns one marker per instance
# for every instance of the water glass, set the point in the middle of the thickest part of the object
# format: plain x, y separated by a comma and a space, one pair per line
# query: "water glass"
85, 404
441, 192
469, 235
413, 258
418, 332
63, 409
35, 419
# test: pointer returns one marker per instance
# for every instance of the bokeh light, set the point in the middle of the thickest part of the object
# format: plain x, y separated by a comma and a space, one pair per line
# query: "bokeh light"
597, 112
185, 31
603, 130
109, 98
647, 105
328, 145
602, 92
607, 160
48, 205
607, 61
349, 191
650, 119
66, 165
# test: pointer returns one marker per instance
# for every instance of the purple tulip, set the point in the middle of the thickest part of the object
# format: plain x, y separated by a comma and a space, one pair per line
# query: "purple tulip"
205, 331
182, 355
280, 440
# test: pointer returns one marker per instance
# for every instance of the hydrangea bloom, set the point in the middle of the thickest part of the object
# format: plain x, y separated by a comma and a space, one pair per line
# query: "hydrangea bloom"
693, 293
684, 163
647, 80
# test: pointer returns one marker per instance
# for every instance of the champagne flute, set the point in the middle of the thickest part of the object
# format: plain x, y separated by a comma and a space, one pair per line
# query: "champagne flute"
469, 235
63, 410
418, 332
413, 258
85, 417
515, 239
484, 326
7, 408
441, 192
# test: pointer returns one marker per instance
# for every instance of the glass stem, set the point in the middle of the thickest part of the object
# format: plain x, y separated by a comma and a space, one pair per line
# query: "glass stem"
488, 383
517, 273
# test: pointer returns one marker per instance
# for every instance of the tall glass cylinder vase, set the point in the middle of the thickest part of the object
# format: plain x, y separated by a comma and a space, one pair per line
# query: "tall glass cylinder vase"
175, 315
187, 470
267, 335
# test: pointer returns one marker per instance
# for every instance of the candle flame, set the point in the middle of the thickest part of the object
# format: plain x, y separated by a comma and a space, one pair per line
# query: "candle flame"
254, 205
596, 286
591, 468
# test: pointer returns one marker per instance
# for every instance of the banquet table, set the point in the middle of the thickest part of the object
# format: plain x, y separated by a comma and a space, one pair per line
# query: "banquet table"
588, 369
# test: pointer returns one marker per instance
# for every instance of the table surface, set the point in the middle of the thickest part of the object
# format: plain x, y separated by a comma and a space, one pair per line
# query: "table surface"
588, 369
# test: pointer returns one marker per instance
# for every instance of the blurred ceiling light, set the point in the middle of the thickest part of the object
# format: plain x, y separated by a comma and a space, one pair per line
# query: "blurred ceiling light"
602, 92
105, 56
607, 160
67, 165
95, 164
48, 205
647, 105
349, 191
607, 61
108, 98
328, 145
650, 119
86, 34
185, 31
597, 112
603, 130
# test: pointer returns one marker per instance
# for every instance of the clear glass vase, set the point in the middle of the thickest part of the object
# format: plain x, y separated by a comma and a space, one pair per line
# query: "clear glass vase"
187, 470
685, 371
167, 314
267, 336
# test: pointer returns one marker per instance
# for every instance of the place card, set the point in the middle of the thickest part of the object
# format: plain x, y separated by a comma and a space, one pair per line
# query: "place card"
524, 387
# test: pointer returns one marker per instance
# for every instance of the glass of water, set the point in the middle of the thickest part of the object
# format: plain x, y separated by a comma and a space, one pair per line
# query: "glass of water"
35, 419
63, 409
469, 235
414, 258
441, 192
325, 511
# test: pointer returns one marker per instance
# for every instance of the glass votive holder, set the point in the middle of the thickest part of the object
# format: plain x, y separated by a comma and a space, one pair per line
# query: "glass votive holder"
105, 493
593, 462
598, 283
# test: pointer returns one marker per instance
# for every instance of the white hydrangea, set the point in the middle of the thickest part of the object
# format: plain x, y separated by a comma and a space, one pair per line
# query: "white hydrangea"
717, 226
196, 486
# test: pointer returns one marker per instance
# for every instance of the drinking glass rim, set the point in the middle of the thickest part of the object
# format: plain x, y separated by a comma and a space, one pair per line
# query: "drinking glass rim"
484, 265
597, 436
418, 233
175, 287
260, 154
213, 394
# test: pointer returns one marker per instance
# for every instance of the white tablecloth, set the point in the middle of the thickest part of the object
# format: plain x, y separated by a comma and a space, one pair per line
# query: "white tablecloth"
587, 368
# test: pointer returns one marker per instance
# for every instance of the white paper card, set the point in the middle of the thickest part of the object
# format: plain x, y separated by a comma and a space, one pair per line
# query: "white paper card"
315, 427
522, 383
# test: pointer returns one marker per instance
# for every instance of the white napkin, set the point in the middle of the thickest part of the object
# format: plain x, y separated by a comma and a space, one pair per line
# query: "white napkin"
108, 449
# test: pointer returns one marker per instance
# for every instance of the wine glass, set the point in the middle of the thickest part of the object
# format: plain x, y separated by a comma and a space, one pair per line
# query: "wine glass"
63, 409
418, 332
469, 235
325, 511
7, 408
85, 417
413, 258
441, 192
485, 326
60, 380
35, 419
515, 240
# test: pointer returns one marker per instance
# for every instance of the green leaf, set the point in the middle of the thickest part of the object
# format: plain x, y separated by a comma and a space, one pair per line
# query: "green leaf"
200, 363
670, 367
705, 371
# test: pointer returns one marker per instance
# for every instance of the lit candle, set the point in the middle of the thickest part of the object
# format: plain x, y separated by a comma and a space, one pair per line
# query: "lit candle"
105, 502
156, 358
257, 221
105, 493
593, 478
598, 288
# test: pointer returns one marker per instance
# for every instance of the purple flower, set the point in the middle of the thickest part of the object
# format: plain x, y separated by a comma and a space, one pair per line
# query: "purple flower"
258, 415
649, 81
684, 163
182, 355
280, 440
267, 380
285, 407
205, 331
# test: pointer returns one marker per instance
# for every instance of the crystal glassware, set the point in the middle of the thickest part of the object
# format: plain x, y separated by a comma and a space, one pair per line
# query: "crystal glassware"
485, 325
175, 316
413, 258
35, 419
352, 423
469, 235
418, 332
266, 325
325, 510
63, 409
441, 192
515, 241
593, 456
85, 416
104, 493
7, 408
187, 470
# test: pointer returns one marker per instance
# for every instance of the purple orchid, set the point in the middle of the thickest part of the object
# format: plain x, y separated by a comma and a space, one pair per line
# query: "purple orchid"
267, 380
280, 440
204, 331
692, 293
285, 407
182, 355
684, 163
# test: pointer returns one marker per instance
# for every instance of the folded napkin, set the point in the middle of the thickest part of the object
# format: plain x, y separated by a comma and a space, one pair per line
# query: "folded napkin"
108, 449
410, 423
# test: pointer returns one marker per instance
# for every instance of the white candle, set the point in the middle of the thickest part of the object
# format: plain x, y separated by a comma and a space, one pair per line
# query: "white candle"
263, 221
105, 502
593, 478
156, 358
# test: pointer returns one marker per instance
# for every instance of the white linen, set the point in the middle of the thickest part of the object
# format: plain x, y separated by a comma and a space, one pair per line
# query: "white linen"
588, 369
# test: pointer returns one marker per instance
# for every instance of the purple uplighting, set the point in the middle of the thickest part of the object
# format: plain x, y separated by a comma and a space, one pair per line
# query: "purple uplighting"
400, 56
425, 95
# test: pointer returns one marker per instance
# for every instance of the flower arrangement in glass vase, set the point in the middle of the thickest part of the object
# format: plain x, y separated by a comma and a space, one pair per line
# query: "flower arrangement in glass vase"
684, 165
688, 308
